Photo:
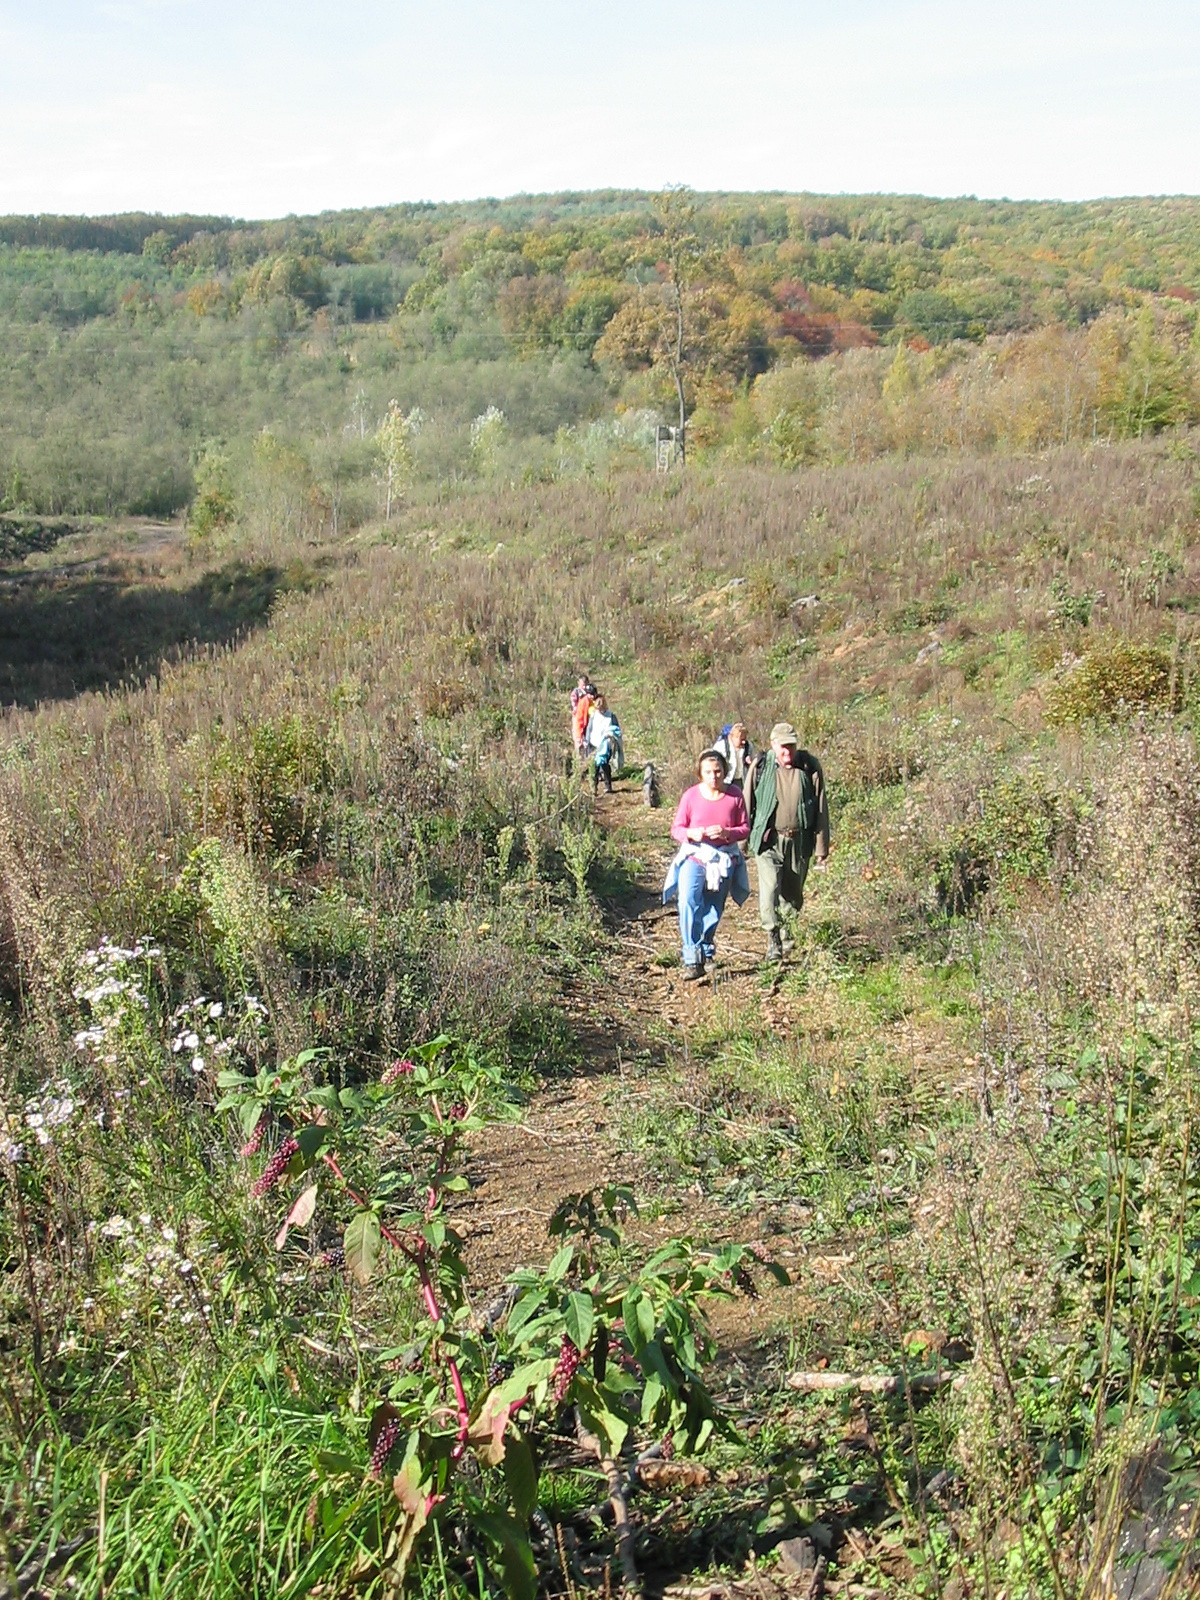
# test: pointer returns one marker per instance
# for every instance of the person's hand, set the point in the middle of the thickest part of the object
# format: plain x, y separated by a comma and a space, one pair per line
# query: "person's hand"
714, 832
821, 862
696, 835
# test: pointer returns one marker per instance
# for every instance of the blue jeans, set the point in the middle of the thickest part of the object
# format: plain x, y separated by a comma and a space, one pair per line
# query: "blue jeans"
700, 910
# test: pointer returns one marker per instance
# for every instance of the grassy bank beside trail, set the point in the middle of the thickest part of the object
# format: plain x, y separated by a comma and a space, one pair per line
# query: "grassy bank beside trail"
316, 797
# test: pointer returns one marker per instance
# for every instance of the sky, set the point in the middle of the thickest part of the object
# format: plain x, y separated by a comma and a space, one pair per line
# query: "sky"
268, 107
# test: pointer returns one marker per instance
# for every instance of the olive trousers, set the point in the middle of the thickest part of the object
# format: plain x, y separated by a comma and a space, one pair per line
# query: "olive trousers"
782, 870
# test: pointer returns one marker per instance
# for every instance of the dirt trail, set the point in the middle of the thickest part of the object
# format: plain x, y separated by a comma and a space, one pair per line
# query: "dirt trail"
116, 545
642, 1012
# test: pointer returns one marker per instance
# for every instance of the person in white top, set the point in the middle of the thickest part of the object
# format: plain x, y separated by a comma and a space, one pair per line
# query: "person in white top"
603, 740
735, 746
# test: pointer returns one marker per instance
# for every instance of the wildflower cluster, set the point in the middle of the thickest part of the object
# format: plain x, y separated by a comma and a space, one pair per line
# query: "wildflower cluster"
155, 1275
397, 1070
42, 1116
254, 1143
204, 1031
110, 985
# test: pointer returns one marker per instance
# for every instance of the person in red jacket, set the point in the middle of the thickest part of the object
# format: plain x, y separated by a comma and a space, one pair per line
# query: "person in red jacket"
583, 698
710, 825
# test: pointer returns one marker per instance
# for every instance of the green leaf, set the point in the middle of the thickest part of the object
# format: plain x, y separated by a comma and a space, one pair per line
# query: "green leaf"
580, 1318
560, 1263
651, 1395
434, 1232
526, 1377
608, 1427
520, 1475
325, 1096
654, 1365
526, 1307
516, 1558
362, 1243
231, 1080
629, 1315
249, 1114
643, 1319
312, 1139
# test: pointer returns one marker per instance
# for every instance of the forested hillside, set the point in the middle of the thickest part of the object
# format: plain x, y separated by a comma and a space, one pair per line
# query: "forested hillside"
149, 359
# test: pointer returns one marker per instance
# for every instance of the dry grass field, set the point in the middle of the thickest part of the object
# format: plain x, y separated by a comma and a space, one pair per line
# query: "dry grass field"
281, 812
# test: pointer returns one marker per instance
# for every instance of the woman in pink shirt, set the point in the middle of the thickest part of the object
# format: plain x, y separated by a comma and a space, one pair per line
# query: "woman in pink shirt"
709, 826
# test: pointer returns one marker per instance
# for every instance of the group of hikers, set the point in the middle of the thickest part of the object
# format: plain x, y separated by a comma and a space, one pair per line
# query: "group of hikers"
596, 733
773, 802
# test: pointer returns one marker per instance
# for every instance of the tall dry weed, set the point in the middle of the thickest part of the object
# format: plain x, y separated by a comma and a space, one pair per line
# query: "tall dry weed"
1138, 928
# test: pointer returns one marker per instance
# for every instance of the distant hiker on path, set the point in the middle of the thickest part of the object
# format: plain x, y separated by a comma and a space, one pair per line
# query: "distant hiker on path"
602, 741
789, 823
710, 826
583, 697
734, 744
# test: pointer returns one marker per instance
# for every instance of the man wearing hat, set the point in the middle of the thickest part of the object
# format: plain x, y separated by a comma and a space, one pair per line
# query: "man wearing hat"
789, 824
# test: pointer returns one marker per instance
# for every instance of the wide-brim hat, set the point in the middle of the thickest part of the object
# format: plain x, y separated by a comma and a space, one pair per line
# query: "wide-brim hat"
784, 733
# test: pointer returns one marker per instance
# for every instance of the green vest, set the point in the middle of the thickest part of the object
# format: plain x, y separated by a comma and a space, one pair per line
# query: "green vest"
766, 801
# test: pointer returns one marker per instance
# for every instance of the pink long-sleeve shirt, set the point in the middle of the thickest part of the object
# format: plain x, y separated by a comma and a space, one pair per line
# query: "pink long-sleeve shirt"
728, 811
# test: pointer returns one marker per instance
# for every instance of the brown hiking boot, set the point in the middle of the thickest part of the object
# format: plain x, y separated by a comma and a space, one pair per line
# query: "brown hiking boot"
690, 974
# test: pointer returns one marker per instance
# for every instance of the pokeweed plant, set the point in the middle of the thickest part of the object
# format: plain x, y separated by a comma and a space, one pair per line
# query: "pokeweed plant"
595, 1344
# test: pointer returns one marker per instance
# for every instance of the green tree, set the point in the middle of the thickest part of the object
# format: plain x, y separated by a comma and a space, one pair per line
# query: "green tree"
393, 440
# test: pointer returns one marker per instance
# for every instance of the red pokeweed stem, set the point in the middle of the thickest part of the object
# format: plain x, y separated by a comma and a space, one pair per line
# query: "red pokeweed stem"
419, 1258
392, 1237
464, 1411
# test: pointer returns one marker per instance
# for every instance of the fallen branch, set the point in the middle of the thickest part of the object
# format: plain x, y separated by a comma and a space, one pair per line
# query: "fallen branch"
873, 1382
630, 1484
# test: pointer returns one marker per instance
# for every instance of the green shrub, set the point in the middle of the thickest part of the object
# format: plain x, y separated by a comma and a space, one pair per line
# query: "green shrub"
265, 785
215, 505
1068, 608
1118, 681
917, 614
787, 655
1009, 838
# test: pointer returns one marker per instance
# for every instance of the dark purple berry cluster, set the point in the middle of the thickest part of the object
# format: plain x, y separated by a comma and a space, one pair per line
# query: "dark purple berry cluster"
383, 1446
275, 1168
743, 1281
335, 1258
569, 1357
